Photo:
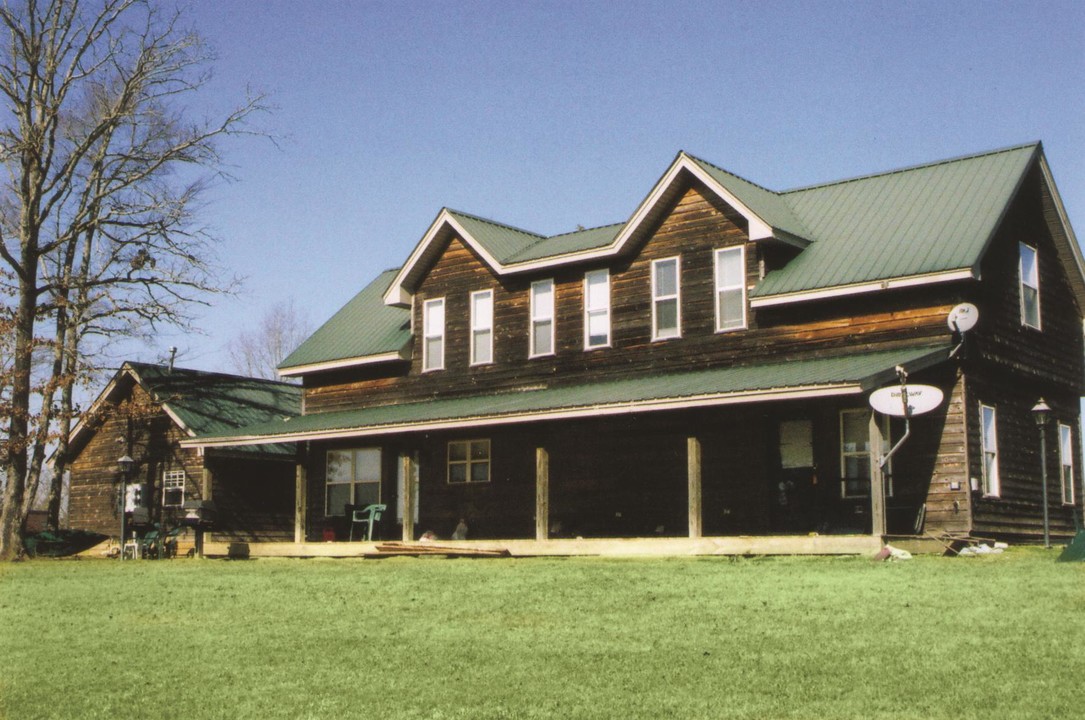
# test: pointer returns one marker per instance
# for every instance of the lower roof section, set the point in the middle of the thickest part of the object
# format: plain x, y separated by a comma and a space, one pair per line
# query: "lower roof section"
797, 378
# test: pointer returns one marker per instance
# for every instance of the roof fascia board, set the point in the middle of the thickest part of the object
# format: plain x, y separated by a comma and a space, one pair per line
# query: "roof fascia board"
164, 404
397, 294
399, 355
1077, 282
873, 286
759, 229
81, 424
680, 403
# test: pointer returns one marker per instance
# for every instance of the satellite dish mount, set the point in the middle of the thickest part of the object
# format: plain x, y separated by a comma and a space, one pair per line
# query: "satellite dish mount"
904, 401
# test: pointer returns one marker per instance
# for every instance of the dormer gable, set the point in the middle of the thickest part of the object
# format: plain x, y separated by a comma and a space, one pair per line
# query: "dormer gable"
508, 250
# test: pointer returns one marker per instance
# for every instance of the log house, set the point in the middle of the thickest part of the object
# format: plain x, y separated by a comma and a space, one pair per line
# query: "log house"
703, 369
145, 412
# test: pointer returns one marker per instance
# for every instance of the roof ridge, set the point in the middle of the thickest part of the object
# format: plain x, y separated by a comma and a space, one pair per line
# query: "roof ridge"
588, 229
732, 174
207, 373
910, 168
495, 223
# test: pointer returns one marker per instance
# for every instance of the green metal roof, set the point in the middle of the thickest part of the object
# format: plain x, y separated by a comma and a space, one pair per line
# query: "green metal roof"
911, 222
852, 373
364, 327
919, 220
766, 204
501, 241
509, 245
209, 403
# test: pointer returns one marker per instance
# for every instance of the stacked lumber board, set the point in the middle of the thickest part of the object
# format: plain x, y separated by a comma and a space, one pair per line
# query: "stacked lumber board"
391, 549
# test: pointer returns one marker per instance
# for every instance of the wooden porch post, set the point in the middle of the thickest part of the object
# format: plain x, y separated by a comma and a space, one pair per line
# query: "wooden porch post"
207, 488
301, 492
409, 480
693, 473
542, 494
877, 479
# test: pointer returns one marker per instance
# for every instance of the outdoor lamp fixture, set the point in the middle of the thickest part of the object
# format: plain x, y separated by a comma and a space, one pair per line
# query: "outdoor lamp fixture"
125, 464
1041, 412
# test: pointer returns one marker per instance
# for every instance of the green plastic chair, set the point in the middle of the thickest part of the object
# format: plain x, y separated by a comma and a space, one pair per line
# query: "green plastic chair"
368, 516
149, 544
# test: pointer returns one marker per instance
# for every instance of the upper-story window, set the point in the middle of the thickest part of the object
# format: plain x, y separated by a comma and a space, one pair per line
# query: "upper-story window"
482, 327
542, 318
433, 334
596, 309
730, 288
666, 299
1029, 286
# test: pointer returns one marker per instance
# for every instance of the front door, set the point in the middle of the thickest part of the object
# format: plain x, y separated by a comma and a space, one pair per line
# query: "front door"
794, 487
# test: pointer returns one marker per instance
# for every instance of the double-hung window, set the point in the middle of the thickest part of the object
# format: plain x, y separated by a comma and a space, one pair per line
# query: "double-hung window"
1029, 286
469, 461
542, 318
596, 309
730, 288
666, 299
989, 448
855, 456
482, 327
354, 477
1066, 463
433, 332
173, 488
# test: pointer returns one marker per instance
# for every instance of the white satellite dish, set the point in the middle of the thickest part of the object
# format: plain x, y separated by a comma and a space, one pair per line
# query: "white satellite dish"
963, 317
921, 399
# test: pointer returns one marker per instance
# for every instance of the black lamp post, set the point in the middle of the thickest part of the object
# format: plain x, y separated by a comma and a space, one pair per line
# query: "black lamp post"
125, 465
1041, 412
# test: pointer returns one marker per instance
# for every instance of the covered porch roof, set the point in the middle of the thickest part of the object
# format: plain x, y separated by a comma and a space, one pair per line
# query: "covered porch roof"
796, 378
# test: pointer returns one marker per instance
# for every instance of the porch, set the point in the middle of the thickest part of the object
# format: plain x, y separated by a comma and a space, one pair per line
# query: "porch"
602, 547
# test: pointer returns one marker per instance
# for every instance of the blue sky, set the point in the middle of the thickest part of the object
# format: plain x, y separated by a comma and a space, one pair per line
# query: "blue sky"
549, 115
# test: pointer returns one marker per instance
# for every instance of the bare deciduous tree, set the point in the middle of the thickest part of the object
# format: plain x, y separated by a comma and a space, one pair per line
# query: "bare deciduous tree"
258, 352
99, 234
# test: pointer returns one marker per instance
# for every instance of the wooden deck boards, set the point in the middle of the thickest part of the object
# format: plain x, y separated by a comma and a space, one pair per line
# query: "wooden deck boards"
617, 547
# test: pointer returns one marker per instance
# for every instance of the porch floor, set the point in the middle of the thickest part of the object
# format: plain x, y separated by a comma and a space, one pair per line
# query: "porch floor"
603, 547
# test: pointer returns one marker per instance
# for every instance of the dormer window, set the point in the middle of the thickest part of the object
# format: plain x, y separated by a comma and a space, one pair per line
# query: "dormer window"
542, 318
730, 288
1029, 286
482, 327
596, 309
666, 296
433, 335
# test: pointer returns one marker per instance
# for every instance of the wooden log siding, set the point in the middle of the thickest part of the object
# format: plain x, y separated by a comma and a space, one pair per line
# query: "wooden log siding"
931, 468
94, 494
254, 500
697, 226
1056, 352
1018, 512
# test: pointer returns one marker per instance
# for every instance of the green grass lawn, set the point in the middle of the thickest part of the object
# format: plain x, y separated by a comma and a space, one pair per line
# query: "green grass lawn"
991, 637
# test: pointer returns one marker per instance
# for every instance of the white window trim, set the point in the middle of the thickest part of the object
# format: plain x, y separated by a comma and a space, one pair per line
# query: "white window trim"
588, 311
992, 486
553, 319
741, 286
1021, 285
1065, 463
173, 480
887, 441
468, 462
677, 297
476, 328
353, 482
427, 335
